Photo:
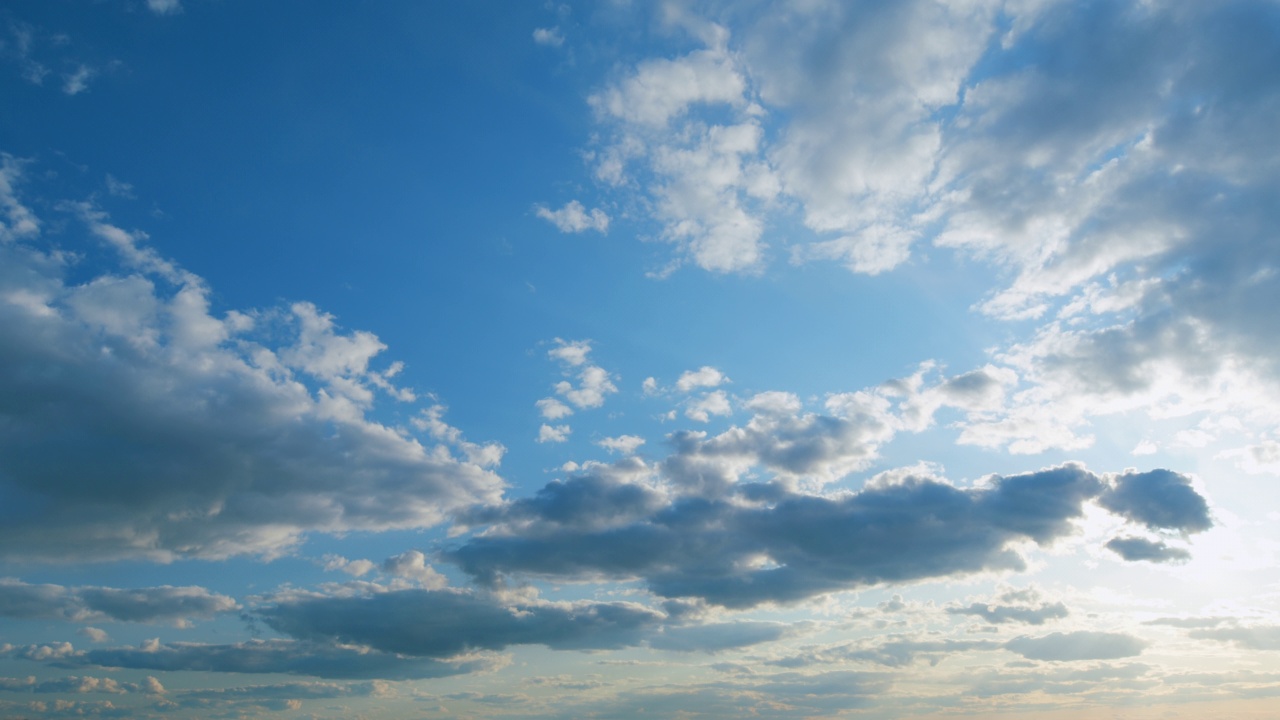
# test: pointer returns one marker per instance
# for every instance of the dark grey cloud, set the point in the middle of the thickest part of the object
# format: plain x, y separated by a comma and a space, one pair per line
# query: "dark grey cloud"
134, 421
445, 623
1135, 548
1159, 499
1078, 645
276, 656
91, 604
793, 546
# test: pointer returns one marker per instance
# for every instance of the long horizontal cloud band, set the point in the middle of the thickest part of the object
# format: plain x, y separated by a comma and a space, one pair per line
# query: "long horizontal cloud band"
738, 553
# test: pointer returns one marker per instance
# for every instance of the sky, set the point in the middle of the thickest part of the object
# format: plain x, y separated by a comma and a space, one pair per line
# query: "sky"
639, 359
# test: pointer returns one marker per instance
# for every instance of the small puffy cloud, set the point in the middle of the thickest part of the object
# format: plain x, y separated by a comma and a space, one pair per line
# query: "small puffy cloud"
649, 386
1159, 499
574, 218
413, 565
570, 353
594, 384
625, 444
551, 36
712, 403
97, 635
774, 402
705, 376
1136, 548
1078, 645
553, 433
354, 568
553, 409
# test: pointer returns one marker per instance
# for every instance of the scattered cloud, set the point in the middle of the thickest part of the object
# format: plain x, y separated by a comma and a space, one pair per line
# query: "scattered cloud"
1077, 645
573, 217
166, 604
1136, 548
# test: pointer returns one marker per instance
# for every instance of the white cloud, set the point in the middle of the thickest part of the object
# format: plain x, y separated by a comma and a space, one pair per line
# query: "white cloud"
553, 433
712, 403
625, 444
574, 218
705, 376
412, 565
551, 36
553, 409
268, 433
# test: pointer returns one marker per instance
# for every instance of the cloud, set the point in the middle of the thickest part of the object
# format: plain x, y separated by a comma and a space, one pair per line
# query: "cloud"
1136, 548
1078, 645
715, 637
1258, 637
412, 565
278, 656
1159, 499
574, 218
553, 433
116, 386
1014, 606
445, 623
705, 376
712, 403
551, 37
782, 548
177, 605
77, 81
625, 444
165, 7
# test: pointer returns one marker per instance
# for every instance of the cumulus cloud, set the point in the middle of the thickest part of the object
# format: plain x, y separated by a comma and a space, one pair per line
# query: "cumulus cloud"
177, 605
782, 548
1159, 499
1078, 645
705, 376
625, 444
1256, 637
1136, 548
412, 564
117, 386
164, 7
712, 403
574, 218
553, 433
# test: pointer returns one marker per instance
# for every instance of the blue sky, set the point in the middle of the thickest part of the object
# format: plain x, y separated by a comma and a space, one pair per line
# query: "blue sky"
556, 360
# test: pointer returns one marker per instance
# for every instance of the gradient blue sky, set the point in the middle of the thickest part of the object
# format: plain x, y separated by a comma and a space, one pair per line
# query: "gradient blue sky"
559, 360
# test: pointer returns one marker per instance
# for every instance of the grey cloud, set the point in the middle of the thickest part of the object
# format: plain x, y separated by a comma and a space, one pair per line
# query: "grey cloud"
1258, 637
88, 604
1078, 645
1025, 613
1135, 548
444, 623
714, 637
275, 697
797, 546
134, 422
278, 656
1159, 499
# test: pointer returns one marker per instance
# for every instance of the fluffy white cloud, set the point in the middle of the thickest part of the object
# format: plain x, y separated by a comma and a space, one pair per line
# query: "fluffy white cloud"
705, 376
712, 403
137, 423
625, 444
548, 36
553, 433
574, 218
